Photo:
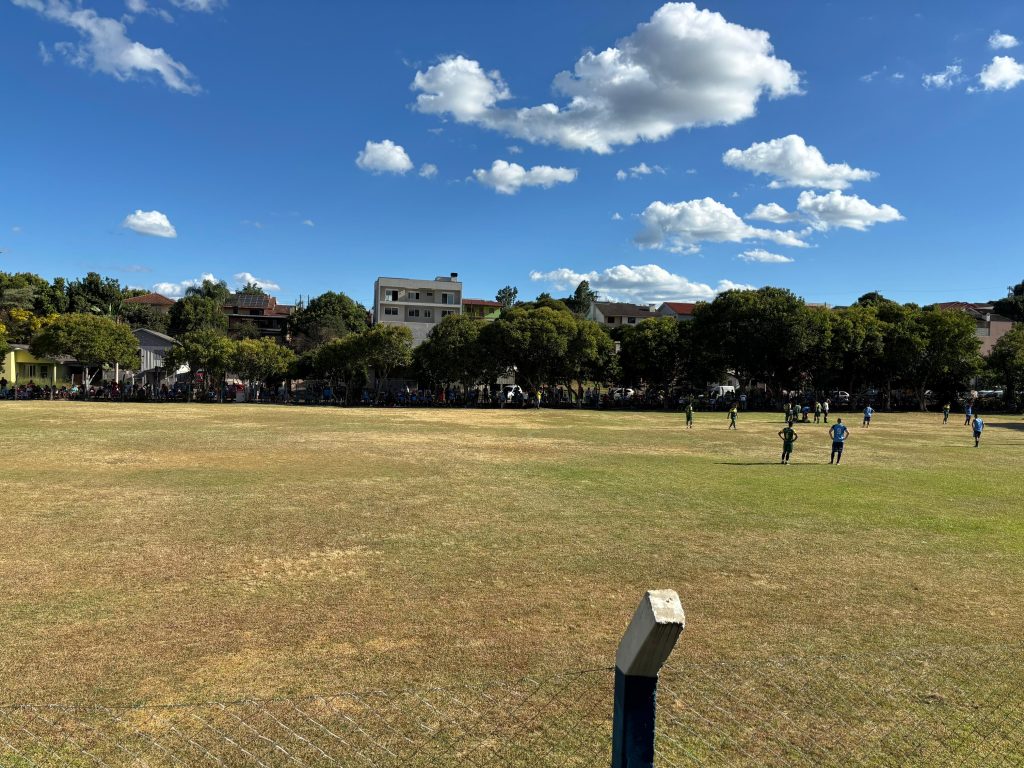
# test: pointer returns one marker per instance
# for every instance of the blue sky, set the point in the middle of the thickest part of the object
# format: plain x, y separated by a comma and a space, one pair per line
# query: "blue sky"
875, 145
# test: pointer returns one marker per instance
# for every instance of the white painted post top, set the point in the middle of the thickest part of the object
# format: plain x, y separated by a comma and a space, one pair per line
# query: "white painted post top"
652, 634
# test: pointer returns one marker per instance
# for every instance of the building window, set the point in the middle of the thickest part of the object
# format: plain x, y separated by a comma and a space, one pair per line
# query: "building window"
391, 295
632, 321
413, 294
446, 312
610, 321
447, 298
390, 310
426, 313
414, 313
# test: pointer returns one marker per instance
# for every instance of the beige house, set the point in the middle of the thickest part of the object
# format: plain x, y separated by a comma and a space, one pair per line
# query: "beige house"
418, 305
989, 326
614, 313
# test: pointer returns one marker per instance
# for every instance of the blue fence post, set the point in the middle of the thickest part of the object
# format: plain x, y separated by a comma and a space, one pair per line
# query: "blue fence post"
644, 648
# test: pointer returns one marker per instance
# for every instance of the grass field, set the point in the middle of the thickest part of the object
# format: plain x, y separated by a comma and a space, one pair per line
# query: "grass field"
175, 553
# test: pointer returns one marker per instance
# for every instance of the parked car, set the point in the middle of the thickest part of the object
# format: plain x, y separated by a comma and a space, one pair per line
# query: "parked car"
839, 397
622, 393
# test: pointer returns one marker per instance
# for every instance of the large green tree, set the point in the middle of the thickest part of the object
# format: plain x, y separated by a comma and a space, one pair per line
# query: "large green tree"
388, 348
650, 353
452, 352
1006, 360
534, 341
758, 335
95, 294
341, 361
328, 316
1012, 305
93, 340
260, 361
948, 356
197, 313
204, 351
507, 296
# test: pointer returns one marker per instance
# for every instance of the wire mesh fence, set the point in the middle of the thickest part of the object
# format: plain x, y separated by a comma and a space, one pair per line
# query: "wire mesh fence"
935, 707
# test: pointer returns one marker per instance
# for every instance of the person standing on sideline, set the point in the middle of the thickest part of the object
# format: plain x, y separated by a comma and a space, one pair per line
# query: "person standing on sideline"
945, 413
968, 412
838, 432
732, 416
788, 435
978, 425
689, 415
824, 410
868, 413
817, 411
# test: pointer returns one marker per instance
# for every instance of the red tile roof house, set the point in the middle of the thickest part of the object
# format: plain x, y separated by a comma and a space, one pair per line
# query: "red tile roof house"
680, 310
990, 327
157, 301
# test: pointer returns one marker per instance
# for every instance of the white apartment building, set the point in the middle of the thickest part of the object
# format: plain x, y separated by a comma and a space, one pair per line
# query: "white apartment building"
416, 304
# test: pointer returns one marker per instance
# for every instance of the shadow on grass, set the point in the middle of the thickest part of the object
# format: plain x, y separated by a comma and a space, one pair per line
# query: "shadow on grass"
1019, 426
765, 463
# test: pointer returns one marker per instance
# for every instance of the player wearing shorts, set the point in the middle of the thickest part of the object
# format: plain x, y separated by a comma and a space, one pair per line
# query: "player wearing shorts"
689, 415
945, 413
977, 425
788, 436
838, 432
732, 416
868, 413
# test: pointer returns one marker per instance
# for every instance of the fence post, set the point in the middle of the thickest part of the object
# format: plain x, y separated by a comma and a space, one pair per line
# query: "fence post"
644, 648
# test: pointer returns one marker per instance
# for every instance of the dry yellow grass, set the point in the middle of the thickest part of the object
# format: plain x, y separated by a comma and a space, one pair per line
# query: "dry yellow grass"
188, 552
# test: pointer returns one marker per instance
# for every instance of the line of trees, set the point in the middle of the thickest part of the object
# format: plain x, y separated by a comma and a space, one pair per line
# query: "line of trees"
768, 338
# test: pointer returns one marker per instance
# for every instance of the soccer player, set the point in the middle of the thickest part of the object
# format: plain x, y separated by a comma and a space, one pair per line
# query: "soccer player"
817, 411
732, 416
824, 410
945, 413
968, 412
868, 413
689, 415
838, 432
978, 425
788, 435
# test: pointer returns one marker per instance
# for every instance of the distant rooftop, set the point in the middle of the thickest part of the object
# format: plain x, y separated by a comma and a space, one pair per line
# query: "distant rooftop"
481, 303
153, 299
621, 309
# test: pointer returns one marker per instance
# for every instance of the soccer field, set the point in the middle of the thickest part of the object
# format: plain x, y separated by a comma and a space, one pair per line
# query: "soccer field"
188, 552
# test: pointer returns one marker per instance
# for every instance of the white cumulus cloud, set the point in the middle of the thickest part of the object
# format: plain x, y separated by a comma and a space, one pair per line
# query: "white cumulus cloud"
832, 210
244, 278
643, 284
203, 6
508, 178
681, 227
106, 47
384, 157
684, 68
616, 216
177, 290
794, 163
428, 170
1002, 74
639, 170
772, 212
309, 222
151, 223
764, 257
999, 40
947, 78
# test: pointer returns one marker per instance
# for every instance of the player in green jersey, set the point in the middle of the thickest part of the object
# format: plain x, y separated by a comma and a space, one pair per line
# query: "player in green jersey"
689, 415
788, 435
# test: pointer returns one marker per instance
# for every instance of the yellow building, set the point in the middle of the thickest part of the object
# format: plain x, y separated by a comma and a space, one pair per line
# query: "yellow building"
21, 367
